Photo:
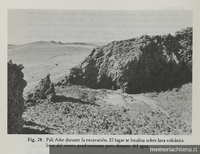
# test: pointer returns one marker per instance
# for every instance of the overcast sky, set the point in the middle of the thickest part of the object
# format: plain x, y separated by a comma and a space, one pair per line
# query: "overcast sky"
96, 27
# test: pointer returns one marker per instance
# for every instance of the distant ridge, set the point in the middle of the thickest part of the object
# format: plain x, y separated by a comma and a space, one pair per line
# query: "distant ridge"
81, 43
53, 42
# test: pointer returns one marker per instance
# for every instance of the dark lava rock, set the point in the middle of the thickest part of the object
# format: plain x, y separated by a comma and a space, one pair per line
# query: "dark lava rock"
44, 89
185, 39
16, 84
141, 64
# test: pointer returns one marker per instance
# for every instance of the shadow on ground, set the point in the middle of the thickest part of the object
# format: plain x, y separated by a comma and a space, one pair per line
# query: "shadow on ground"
28, 130
60, 98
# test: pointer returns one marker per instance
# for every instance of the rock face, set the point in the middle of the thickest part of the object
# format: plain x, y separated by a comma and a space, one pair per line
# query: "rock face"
185, 39
141, 64
44, 89
16, 84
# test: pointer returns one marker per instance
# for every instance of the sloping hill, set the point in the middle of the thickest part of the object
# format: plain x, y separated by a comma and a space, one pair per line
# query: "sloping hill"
42, 58
142, 64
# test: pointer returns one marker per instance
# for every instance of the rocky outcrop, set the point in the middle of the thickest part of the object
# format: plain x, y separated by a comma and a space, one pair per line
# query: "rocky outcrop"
185, 39
141, 64
16, 84
43, 90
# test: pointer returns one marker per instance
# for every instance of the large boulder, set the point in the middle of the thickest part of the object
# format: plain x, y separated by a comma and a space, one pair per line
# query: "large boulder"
16, 84
141, 64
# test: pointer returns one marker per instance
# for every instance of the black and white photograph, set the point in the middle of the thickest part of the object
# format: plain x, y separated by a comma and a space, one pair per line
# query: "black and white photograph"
99, 72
